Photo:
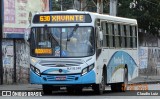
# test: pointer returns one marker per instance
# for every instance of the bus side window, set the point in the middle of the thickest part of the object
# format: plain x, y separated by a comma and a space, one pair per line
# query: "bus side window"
128, 36
134, 38
105, 34
122, 36
117, 36
125, 36
131, 37
111, 34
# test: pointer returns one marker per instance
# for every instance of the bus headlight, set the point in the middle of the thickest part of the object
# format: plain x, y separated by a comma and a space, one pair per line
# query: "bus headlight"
87, 69
84, 71
35, 70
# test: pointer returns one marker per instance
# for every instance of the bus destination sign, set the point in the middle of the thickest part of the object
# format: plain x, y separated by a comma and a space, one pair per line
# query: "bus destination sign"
47, 18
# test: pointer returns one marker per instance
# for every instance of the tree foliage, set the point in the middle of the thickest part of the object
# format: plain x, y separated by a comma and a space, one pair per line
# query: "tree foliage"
66, 4
147, 13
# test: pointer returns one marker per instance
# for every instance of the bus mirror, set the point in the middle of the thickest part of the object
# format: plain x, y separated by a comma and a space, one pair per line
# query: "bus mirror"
100, 36
27, 36
100, 33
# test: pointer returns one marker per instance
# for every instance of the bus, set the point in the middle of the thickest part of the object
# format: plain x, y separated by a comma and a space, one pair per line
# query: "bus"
77, 49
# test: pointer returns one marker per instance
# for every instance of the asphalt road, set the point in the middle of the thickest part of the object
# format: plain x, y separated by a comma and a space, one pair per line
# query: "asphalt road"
135, 91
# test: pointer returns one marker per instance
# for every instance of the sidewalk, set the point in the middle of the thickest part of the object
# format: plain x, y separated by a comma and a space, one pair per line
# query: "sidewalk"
28, 87
146, 79
31, 87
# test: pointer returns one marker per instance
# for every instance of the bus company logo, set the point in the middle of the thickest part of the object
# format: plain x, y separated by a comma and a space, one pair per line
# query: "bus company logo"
60, 70
6, 93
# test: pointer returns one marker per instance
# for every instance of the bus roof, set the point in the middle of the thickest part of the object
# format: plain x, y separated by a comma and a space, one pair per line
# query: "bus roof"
104, 17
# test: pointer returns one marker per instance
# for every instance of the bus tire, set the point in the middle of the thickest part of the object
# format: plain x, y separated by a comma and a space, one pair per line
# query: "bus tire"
121, 87
47, 89
125, 83
99, 88
114, 87
70, 90
74, 90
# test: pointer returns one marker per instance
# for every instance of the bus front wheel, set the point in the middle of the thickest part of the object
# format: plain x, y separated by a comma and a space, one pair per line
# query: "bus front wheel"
47, 89
74, 89
99, 88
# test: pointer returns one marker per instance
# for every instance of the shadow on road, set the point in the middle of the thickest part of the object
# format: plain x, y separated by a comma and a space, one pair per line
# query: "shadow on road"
88, 93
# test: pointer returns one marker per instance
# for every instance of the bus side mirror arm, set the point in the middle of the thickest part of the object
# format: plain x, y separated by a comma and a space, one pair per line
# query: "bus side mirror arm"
27, 37
100, 35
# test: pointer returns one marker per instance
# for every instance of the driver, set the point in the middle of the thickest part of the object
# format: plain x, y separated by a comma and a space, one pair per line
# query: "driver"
72, 46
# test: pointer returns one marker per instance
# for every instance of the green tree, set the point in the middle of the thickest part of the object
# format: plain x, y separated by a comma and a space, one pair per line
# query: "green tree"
66, 4
147, 13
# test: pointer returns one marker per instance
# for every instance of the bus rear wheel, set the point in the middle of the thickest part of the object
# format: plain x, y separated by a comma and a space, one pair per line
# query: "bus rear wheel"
121, 87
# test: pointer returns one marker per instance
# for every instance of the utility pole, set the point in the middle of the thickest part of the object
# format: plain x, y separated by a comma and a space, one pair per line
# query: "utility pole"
99, 6
50, 5
83, 5
77, 5
1, 37
61, 6
113, 7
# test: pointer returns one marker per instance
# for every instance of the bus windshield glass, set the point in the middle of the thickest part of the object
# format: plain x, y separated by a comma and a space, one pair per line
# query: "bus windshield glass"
76, 41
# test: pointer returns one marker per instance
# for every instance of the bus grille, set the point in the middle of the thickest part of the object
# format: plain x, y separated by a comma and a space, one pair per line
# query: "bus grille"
53, 78
60, 63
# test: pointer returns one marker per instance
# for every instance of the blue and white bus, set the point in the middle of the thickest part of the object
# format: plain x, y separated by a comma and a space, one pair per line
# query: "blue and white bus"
77, 49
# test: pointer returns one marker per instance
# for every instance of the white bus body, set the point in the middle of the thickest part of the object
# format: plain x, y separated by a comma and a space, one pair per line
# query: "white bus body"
113, 59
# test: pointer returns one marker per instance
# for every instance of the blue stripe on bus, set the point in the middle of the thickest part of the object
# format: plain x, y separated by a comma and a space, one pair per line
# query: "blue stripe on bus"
88, 78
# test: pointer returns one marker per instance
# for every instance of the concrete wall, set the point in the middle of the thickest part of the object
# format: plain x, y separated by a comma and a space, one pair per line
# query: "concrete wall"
149, 59
149, 54
22, 61
8, 61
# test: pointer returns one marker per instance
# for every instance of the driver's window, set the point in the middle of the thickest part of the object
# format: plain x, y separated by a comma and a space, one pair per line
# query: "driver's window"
99, 42
45, 40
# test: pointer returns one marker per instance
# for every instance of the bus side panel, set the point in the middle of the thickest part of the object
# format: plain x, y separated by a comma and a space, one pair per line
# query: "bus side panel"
115, 68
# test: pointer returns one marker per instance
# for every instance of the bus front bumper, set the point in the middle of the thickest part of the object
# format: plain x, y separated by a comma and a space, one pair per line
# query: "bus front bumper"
88, 78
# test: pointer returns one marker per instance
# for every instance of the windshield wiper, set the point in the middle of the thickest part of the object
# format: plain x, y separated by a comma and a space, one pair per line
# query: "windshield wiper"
49, 33
75, 28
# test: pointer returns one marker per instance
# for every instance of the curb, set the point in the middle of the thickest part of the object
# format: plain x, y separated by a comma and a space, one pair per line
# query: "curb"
145, 82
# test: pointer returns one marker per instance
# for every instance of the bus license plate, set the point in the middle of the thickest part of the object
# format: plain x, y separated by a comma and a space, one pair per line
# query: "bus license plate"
60, 77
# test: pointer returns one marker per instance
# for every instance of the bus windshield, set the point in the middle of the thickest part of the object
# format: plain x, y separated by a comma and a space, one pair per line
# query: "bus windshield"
76, 41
